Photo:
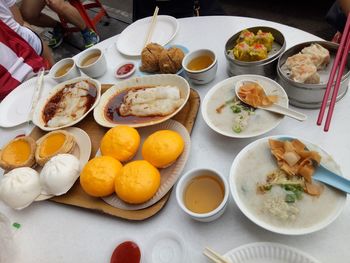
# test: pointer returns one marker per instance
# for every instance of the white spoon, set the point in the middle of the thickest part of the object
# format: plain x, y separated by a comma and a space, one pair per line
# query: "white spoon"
276, 108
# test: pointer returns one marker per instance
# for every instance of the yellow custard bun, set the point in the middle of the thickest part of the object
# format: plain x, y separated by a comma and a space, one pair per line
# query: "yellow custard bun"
98, 176
19, 152
162, 148
121, 143
52, 144
137, 182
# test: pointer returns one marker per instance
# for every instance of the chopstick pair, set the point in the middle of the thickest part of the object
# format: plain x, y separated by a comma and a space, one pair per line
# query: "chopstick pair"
337, 69
152, 26
214, 256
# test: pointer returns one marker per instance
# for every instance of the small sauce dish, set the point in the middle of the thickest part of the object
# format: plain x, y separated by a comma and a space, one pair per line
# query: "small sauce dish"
202, 194
125, 70
200, 66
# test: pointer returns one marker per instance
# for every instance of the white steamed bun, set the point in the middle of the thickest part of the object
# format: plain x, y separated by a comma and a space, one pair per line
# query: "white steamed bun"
20, 187
59, 174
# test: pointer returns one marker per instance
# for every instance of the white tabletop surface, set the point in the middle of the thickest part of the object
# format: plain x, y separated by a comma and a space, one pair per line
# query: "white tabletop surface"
51, 232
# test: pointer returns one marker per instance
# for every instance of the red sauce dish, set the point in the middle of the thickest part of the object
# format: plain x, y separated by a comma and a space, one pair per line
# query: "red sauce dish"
125, 70
126, 252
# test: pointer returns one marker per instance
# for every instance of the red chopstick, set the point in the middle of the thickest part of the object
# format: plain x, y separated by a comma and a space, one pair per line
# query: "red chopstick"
342, 55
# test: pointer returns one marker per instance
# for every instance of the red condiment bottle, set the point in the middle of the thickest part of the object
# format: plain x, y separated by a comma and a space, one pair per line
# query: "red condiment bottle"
126, 252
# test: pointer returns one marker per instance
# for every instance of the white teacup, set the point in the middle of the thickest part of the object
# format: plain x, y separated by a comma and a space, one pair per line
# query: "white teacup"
204, 75
72, 73
182, 186
95, 69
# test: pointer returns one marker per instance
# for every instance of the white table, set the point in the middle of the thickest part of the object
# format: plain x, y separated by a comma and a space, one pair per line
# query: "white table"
52, 232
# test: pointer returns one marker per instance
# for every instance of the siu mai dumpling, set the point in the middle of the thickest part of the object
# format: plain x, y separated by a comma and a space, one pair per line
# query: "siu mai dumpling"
305, 73
257, 52
241, 51
318, 54
265, 38
247, 37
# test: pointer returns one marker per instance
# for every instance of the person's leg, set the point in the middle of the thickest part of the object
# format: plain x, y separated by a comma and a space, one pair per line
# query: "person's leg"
31, 12
68, 12
71, 15
47, 54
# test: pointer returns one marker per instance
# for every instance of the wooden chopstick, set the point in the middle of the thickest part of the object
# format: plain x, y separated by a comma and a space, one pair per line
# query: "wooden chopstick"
342, 54
213, 255
152, 26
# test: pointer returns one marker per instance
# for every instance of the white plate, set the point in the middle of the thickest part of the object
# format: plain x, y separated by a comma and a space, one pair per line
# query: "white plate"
168, 175
259, 123
255, 161
132, 40
145, 81
37, 116
266, 252
15, 108
82, 151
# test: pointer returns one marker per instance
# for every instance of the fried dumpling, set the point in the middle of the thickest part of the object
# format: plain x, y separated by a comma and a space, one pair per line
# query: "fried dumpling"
150, 58
170, 60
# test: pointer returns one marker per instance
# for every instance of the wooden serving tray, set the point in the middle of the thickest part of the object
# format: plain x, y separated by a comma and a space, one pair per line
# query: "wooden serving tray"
77, 197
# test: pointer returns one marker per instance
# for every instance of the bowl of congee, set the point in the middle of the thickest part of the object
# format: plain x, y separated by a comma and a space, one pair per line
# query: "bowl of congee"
200, 66
272, 183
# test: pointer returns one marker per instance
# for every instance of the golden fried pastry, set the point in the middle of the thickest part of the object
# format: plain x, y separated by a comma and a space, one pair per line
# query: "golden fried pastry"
150, 57
170, 60
53, 143
19, 152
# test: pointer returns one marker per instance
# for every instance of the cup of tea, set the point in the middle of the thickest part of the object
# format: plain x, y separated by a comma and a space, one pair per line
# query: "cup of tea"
202, 194
93, 63
64, 69
200, 66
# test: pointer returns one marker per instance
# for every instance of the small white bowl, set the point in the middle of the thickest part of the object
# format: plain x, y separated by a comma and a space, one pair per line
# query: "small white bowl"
72, 73
181, 187
202, 76
96, 69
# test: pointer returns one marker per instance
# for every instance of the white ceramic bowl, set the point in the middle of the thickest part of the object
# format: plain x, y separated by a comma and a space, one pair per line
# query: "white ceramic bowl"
96, 69
72, 73
37, 116
181, 187
200, 76
255, 162
259, 123
145, 81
